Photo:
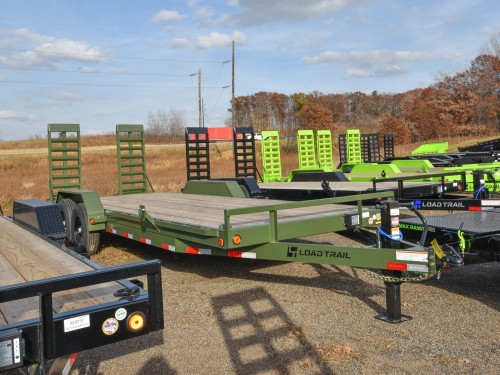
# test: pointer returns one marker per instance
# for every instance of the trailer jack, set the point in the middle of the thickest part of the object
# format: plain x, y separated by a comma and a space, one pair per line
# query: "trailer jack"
393, 304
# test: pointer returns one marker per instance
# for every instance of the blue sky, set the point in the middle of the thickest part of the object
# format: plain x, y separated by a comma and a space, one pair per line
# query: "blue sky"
102, 63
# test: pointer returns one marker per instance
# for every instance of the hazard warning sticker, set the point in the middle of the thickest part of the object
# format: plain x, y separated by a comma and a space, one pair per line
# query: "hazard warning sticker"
110, 326
412, 256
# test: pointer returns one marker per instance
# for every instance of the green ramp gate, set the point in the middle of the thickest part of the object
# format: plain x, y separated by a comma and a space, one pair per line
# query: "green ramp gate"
353, 141
307, 155
324, 147
271, 156
65, 159
131, 156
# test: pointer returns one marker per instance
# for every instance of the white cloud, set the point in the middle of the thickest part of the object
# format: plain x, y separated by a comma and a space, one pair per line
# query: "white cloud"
256, 12
217, 40
19, 116
42, 50
167, 16
358, 73
65, 49
179, 43
210, 41
379, 63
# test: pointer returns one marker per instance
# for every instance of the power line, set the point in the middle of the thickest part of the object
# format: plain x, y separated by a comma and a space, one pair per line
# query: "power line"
96, 72
114, 57
104, 85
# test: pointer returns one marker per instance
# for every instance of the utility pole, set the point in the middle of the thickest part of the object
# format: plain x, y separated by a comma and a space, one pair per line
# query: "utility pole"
199, 98
232, 90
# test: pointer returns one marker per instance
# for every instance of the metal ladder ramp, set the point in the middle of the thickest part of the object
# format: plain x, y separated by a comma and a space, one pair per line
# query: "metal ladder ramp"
324, 150
388, 146
65, 160
370, 148
245, 163
306, 150
353, 146
131, 156
271, 156
197, 154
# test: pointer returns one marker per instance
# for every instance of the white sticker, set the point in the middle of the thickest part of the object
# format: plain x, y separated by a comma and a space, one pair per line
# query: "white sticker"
412, 256
366, 214
491, 202
79, 322
121, 313
418, 268
394, 212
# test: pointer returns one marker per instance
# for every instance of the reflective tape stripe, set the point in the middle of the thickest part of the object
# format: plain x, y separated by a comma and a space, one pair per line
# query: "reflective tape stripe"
128, 235
168, 247
146, 240
194, 250
112, 230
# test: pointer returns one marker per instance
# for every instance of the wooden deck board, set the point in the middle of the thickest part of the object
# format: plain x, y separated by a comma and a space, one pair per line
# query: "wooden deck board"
26, 257
208, 211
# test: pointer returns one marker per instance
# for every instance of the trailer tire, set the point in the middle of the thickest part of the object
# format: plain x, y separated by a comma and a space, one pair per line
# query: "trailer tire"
66, 207
83, 239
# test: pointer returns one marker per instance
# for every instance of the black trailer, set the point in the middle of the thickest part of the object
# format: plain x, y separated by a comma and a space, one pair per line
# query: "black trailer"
55, 302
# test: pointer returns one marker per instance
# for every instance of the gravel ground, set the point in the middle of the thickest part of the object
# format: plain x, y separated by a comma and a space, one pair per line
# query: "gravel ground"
234, 316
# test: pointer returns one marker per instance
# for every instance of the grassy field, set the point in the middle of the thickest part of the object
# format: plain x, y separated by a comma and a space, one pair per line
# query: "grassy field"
25, 175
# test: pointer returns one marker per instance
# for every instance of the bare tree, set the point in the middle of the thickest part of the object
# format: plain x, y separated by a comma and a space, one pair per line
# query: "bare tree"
162, 123
157, 123
492, 46
176, 123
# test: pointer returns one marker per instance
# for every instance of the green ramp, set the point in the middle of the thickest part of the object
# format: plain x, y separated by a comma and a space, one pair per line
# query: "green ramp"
324, 150
131, 156
431, 148
353, 142
307, 154
271, 156
65, 158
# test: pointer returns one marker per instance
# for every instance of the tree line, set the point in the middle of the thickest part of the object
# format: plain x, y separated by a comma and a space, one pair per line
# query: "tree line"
465, 103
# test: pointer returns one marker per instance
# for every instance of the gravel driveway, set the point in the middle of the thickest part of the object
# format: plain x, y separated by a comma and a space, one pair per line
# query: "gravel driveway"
237, 316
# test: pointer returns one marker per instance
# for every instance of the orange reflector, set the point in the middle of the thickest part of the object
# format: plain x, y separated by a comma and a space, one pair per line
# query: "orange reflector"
236, 239
220, 241
396, 266
135, 321
92, 221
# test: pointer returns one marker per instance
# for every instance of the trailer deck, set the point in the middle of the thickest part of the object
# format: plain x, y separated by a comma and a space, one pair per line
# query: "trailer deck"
308, 190
26, 257
208, 212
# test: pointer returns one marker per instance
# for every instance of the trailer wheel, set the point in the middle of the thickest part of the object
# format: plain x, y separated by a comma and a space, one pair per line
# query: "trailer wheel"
66, 207
83, 239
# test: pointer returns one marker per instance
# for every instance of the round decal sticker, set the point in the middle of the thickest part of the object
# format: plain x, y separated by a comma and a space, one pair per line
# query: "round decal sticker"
110, 326
121, 313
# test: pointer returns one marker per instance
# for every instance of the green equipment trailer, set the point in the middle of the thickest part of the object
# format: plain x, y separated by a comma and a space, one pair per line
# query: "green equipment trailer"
257, 229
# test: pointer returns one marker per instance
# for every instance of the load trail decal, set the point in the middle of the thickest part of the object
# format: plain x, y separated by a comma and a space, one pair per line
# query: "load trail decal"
439, 204
293, 251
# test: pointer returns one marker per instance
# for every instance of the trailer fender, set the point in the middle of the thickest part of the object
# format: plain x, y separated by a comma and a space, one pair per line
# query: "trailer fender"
90, 198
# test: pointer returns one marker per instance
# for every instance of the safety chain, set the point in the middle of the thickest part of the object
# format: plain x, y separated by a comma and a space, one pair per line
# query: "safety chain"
391, 279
